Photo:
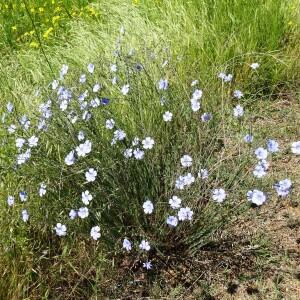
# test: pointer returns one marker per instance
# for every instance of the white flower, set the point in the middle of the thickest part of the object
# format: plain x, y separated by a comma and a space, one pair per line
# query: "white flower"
221, 75
128, 153
9, 107
189, 179
119, 135
127, 244
110, 124
283, 187
172, 221
54, 84
264, 164
32, 141
135, 141
10, 200
138, 154
90, 175
64, 70
186, 161
148, 143
61, 230
224, 77
238, 111
147, 265
257, 197
238, 94
259, 171
91, 68
185, 213
197, 94
180, 182
219, 195
261, 153
96, 88
195, 104
95, 233
194, 82
254, 66
86, 197
25, 215
167, 116
95, 102
113, 68
148, 207
228, 78
12, 128
20, 142
63, 105
203, 174
163, 84
296, 148
164, 63
23, 157
86, 115
175, 202
23, 196
70, 158
83, 212
84, 149
82, 78
42, 190
72, 214
144, 245
125, 89
80, 136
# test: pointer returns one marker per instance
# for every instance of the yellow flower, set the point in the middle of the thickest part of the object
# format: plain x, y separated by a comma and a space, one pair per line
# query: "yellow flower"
55, 19
290, 23
41, 9
47, 32
34, 44
14, 28
57, 9
32, 10
135, 2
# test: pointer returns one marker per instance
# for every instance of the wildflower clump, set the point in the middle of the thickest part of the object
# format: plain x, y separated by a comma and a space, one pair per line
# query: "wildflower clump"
33, 22
125, 157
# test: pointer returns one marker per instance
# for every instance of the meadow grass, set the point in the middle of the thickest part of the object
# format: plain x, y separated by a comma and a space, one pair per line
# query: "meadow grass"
206, 37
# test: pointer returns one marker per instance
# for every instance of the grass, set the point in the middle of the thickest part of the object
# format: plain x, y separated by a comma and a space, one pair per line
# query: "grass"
206, 37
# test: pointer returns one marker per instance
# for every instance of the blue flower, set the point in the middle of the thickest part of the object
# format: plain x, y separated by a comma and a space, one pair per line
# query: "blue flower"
272, 146
261, 153
248, 138
257, 197
206, 117
104, 101
163, 84
283, 187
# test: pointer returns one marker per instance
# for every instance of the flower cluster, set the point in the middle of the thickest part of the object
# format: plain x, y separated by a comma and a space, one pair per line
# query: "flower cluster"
108, 164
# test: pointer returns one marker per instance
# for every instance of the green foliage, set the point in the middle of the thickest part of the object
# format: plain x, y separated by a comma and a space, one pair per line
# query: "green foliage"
206, 37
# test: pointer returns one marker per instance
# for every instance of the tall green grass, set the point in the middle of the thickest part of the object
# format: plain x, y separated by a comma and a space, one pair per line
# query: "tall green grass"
205, 37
